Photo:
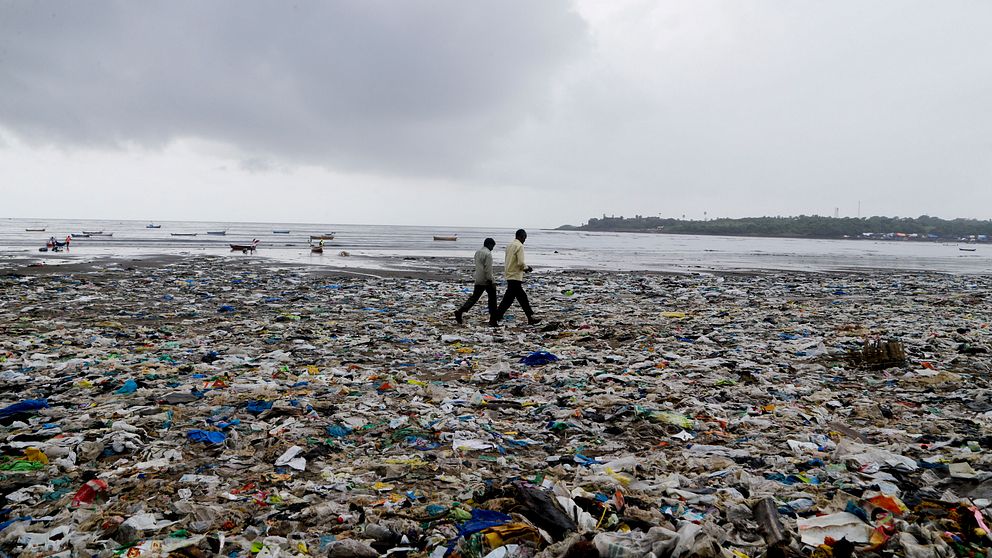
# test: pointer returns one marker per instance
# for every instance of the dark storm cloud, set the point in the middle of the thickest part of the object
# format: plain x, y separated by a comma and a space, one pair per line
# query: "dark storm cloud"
398, 87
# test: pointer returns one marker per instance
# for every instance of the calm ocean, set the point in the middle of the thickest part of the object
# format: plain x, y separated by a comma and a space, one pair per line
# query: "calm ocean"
385, 246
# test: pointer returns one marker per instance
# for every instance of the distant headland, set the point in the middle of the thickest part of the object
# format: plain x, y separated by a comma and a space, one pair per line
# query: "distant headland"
923, 227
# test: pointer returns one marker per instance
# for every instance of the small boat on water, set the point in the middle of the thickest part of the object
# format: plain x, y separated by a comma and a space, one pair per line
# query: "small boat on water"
94, 233
245, 247
446, 237
101, 234
283, 231
217, 233
322, 237
34, 230
317, 249
79, 235
153, 226
183, 234
967, 249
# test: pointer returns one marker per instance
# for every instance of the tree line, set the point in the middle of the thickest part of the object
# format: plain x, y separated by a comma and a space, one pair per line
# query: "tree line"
803, 226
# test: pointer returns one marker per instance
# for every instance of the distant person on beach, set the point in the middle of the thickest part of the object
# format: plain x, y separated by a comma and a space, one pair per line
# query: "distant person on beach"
514, 269
485, 281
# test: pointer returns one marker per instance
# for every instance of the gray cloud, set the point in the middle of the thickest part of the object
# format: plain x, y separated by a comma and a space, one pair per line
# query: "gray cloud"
416, 88
626, 106
774, 107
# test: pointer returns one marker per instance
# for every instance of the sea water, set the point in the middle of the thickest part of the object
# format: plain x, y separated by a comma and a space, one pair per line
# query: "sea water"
410, 247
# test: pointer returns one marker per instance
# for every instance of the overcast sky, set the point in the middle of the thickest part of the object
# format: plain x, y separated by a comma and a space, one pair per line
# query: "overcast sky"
502, 113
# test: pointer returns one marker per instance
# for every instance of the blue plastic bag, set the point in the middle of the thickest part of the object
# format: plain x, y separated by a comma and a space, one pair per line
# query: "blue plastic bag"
482, 520
129, 386
257, 407
539, 358
206, 436
23, 407
337, 431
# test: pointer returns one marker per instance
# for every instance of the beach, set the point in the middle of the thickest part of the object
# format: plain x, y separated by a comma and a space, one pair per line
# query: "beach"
215, 405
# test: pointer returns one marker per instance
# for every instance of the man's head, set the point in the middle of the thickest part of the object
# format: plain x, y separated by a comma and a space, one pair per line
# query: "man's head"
489, 243
521, 235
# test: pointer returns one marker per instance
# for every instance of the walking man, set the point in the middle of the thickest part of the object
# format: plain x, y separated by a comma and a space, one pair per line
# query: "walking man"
484, 280
514, 269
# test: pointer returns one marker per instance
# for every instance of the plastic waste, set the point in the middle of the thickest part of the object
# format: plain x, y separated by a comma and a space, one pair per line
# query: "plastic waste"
92, 491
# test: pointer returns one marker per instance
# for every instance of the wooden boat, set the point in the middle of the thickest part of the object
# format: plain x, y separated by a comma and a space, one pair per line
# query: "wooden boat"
101, 234
450, 238
245, 247
967, 249
34, 230
79, 235
183, 234
281, 232
93, 233
217, 233
153, 226
317, 249
321, 237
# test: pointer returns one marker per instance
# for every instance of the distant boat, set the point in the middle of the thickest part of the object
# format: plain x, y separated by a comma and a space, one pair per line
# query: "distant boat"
183, 234
79, 235
322, 237
153, 226
217, 233
317, 249
101, 234
34, 230
967, 249
245, 247
94, 233
281, 232
450, 238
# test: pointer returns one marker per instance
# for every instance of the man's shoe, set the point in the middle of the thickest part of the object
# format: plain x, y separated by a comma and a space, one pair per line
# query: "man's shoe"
458, 316
533, 321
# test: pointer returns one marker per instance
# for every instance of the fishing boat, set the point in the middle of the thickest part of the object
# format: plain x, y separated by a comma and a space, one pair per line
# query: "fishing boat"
93, 233
34, 230
217, 233
449, 237
283, 231
153, 226
101, 233
967, 249
322, 237
245, 247
183, 234
317, 249
79, 235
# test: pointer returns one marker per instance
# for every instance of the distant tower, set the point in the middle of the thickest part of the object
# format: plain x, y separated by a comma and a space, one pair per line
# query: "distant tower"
836, 212
859, 209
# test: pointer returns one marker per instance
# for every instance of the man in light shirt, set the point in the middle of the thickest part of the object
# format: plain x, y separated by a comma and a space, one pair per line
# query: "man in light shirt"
485, 281
514, 269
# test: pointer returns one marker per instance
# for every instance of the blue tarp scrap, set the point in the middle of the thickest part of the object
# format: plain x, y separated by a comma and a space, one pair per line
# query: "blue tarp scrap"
482, 520
539, 358
258, 407
206, 436
25, 406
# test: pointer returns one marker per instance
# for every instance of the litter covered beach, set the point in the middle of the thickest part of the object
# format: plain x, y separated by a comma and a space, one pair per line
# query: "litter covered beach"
216, 407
